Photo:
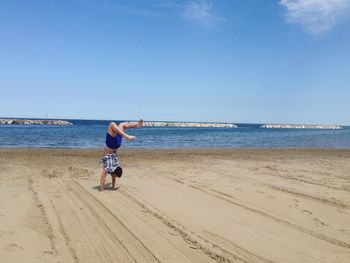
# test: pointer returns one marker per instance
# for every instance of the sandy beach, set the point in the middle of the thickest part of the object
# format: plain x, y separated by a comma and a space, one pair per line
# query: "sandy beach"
198, 205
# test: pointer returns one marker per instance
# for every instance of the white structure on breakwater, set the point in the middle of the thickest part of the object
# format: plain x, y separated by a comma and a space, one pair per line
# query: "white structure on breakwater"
31, 122
301, 126
188, 124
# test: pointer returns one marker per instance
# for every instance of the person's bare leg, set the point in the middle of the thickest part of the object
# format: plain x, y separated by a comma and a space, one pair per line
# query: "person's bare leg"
130, 125
103, 180
114, 129
127, 125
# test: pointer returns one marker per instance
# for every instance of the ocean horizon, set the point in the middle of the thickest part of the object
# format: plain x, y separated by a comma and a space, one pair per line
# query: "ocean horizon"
91, 134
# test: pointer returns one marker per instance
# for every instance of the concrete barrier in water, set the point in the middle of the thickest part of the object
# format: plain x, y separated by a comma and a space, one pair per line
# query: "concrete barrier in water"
33, 122
301, 126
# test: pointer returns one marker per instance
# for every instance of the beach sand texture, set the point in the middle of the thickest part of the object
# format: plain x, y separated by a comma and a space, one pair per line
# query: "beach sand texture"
223, 205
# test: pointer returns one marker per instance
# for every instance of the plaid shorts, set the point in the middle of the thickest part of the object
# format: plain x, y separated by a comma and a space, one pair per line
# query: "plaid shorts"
110, 162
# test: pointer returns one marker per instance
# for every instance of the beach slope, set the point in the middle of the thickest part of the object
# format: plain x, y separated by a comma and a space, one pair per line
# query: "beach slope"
209, 205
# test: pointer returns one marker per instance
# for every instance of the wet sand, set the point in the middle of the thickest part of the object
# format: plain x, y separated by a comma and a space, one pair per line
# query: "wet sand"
222, 205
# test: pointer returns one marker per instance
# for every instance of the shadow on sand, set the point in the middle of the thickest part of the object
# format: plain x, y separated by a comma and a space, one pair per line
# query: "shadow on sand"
108, 186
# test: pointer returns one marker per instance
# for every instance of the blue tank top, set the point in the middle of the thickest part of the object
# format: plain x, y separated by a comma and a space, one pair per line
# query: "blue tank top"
113, 142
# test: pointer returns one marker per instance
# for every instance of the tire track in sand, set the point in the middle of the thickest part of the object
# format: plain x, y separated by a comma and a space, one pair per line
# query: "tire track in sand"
215, 251
168, 253
132, 248
334, 203
297, 227
164, 242
337, 204
40, 205
90, 232
249, 178
296, 179
230, 199
64, 234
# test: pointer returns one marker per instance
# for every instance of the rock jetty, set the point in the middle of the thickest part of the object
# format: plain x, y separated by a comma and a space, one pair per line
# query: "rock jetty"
188, 124
34, 122
301, 126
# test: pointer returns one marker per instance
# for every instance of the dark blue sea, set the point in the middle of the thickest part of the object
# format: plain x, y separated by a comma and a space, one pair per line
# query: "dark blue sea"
91, 134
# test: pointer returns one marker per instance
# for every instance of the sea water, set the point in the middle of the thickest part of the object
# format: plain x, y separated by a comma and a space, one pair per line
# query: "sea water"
91, 134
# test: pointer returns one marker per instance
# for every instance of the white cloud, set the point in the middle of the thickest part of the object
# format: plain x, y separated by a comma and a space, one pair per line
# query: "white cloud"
199, 11
316, 16
202, 12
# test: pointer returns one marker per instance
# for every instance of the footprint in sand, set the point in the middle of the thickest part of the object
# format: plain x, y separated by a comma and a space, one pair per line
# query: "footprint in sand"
13, 246
345, 231
342, 211
306, 212
54, 174
319, 222
294, 205
260, 192
270, 167
79, 172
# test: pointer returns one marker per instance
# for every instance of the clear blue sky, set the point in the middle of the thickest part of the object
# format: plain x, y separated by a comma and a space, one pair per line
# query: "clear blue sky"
284, 61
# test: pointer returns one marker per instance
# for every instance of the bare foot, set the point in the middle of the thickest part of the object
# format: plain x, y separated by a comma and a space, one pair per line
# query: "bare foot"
130, 137
140, 123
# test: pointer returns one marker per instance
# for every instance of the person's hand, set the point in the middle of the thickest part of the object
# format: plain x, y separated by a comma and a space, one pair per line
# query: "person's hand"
140, 123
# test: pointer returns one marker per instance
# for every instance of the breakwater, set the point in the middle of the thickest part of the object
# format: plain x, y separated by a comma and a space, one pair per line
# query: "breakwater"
34, 122
301, 126
189, 124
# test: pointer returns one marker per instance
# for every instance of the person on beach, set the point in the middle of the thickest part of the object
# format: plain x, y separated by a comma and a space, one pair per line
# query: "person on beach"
114, 136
